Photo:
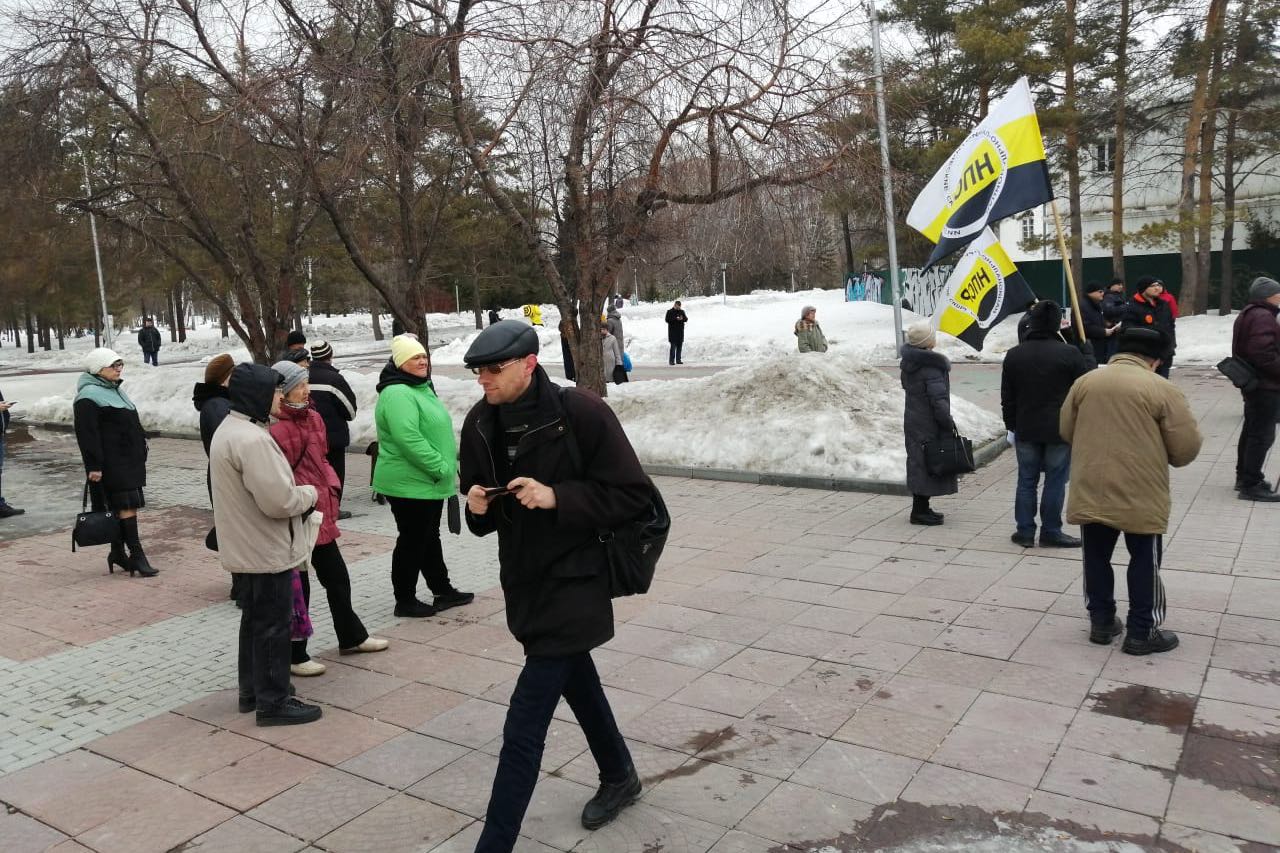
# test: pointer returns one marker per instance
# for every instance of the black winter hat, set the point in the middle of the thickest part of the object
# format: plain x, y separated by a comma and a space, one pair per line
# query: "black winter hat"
502, 341
1145, 282
295, 337
1094, 287
296, 355
1045, 318
1144, 341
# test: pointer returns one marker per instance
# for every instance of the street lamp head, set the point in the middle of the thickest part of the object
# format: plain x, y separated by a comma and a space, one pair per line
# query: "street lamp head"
723, 266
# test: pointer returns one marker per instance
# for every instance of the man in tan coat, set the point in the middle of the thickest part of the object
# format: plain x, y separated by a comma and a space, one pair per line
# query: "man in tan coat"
266, 528
1126, 426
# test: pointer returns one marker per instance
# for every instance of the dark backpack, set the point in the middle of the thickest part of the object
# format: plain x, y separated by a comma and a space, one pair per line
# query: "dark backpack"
634, 547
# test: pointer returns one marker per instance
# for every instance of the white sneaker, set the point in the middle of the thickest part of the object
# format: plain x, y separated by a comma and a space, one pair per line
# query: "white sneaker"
309, 668
372, 644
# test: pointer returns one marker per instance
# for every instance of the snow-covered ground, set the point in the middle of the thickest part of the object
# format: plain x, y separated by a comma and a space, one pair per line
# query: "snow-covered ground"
772, 410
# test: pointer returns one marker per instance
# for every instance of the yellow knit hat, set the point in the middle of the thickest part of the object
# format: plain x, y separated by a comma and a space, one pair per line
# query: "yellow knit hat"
405, 347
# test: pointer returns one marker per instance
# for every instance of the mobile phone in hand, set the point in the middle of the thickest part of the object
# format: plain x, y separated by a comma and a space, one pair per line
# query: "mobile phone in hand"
497, 492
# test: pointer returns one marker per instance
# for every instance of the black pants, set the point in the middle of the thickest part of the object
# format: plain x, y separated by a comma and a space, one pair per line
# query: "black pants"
1146, 592
538, 689
417, 549
331, 571
265, 611
151, 357
338, 459
673, 353
1257, 434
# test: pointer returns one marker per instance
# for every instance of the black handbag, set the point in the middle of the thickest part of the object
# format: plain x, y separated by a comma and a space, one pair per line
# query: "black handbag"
634, 548
94, 528
1240, 372
949, 455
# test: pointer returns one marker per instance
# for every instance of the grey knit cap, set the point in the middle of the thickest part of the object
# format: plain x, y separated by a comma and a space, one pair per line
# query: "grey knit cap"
294, 375
1263, 288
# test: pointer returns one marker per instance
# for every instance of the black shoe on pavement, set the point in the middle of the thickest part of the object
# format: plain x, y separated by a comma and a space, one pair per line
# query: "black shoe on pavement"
292, 712
1060, 540
414, 609
928, 519
1103, 633
1260, 492
248, 701
1028, 541
1156, 641
7, 511
343, 514
1241, 485
610, 799
453, 599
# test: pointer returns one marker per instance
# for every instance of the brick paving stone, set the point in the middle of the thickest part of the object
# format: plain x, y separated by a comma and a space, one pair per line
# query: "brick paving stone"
760, 748
652, 763
245, 835
715, 793
1246, 688
1246, 813
765, 666
187, 759
1128, 740
869, 775
925, 697
255, 778
412, 705
1036, 720
802, 816
465, 842
337, 736
1108, 781
1004, 755
401, 824
820, 699
718, 692
1099, 818
898, 732
680, 727
158, 823
643, 827
403, 760
471, 723
21, 834
320, 804
462, 786
735, 841
946, 786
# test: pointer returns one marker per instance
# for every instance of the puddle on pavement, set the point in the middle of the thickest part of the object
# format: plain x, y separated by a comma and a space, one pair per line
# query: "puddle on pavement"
1174, 711
904, 827
704, 744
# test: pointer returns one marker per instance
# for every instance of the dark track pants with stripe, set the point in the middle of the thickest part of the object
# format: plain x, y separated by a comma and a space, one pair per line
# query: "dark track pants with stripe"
1146, 592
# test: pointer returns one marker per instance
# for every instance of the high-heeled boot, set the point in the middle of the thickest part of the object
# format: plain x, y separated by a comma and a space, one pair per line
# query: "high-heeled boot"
117, 556
137, 557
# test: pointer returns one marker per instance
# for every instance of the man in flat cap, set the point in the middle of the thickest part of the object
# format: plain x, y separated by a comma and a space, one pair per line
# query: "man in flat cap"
547, 468
1126, 426
1255, 339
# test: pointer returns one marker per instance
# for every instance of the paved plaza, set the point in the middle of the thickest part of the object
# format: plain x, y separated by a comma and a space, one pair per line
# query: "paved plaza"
809, 672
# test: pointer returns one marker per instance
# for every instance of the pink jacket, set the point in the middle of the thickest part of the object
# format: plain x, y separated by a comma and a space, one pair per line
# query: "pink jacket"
301, 435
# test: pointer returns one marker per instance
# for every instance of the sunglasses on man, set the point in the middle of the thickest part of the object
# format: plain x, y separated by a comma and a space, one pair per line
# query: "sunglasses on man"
494, 369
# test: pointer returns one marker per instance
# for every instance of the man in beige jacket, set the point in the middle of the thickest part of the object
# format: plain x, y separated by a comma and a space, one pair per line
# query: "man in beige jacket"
266, 528
1126, 426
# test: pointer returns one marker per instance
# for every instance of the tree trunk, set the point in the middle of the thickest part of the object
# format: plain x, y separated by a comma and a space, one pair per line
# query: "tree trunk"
1121, 115
377, 323
848, 241
1189, 297
1228, 216
222, 323
1073, 147
172, 309
475, 300
1204, 216
179, 313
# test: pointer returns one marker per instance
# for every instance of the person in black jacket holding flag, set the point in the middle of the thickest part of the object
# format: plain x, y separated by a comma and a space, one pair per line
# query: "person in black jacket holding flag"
566, 470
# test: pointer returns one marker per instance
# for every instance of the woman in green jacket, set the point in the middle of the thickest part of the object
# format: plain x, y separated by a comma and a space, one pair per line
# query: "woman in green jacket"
417, 471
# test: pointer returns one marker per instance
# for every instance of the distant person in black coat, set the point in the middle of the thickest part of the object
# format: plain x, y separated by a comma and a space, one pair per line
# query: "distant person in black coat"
114, 449
149, 341
676, 320
926, 416
213, 402
336, 402
1034, 380
1096, 329
494, 316
1113, 307
6, 511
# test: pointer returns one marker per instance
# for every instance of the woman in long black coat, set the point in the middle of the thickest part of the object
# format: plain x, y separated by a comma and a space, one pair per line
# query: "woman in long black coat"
926, 377
114, 449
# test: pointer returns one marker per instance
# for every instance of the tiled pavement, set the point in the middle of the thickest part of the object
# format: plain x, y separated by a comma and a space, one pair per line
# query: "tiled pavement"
809, 672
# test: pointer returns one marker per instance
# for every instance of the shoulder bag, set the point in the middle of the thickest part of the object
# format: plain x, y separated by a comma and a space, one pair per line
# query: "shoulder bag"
1240, 372
949, 455
93, 528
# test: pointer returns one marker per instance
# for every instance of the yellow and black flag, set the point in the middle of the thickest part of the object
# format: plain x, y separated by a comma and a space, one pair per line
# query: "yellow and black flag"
984, 288
999, 170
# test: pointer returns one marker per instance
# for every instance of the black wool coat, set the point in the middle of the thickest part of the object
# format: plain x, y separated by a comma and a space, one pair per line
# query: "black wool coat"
1139, 311
112, 441
149, 339
552, 566
1034, 380
676, 319
1095, 325
926, 377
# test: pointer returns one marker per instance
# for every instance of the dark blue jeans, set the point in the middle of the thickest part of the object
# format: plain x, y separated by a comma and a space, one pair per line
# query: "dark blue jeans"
266, 606
1055, 461
152, 358
1146, 592
673, 351
538, 689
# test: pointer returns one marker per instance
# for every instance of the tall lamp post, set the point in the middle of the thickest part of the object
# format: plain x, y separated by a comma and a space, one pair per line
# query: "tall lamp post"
107, 335
724, 283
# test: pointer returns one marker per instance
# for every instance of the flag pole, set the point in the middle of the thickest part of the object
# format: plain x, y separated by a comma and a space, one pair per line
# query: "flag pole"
1066, 266
891, 236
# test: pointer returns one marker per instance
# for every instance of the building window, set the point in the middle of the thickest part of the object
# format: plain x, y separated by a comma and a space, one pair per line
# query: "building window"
1028, 226
1104, 155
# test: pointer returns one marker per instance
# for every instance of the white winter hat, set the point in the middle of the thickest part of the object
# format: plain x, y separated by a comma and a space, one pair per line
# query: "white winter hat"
98, 359
921, 334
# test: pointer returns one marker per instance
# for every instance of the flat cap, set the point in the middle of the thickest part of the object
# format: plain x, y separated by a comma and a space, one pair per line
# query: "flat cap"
1144, 341
503, 341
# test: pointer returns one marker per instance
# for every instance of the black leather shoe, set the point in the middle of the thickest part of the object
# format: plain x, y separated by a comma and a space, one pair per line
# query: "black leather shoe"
414, 609
1103, 633
292, 712
7, 511
1028, 541
927, 519
343, 514
1060, 540
610, 799
138, 563
453, 599
1241, 485
1156, 641
248, 701
1260, 492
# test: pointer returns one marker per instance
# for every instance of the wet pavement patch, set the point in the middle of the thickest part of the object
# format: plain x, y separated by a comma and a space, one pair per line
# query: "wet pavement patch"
1174, 711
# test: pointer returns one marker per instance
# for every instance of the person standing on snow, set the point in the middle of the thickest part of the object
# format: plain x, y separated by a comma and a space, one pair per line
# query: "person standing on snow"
149, 341
676, 320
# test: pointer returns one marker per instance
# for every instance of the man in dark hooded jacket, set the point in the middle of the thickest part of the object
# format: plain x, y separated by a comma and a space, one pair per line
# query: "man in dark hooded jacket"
566, 471
336, 403
1035, 379
1255, 339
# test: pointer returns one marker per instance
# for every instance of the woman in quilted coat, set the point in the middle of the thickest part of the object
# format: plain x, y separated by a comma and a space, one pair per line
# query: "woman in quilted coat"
926, 379
300, 432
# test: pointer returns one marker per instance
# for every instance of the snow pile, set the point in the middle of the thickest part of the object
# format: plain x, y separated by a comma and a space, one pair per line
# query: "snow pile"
831, 416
